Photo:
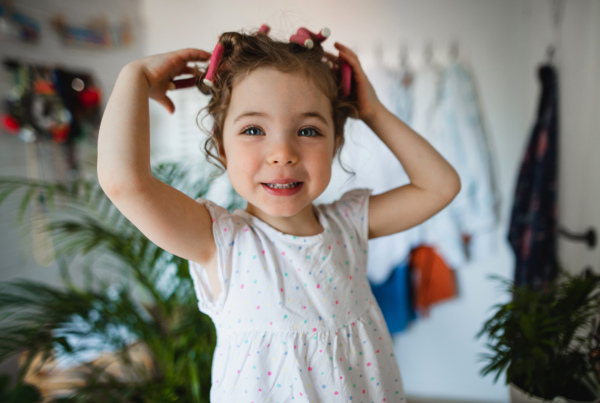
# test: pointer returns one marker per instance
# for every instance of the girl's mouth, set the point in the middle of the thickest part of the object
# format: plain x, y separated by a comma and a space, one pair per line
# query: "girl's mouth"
279, 189
282, 186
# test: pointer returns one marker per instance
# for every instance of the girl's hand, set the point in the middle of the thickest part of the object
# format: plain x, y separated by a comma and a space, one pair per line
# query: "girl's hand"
367, 100
160, 69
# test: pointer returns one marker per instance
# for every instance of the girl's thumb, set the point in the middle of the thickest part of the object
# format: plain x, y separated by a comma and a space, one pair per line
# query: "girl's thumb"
167, 103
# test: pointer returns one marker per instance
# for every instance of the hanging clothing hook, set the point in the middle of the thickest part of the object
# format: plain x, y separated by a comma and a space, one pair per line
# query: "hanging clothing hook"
550, 53
454, 50
557, 10
403, 54
379, 53
428, 53
589, 237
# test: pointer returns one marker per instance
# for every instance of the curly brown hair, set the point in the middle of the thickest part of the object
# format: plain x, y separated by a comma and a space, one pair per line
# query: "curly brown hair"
246, 52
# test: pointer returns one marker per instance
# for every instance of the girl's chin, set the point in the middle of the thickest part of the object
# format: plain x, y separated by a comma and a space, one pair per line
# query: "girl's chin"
278, 210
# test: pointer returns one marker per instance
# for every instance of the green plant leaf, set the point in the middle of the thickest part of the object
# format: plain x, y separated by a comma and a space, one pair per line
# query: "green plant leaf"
48, 320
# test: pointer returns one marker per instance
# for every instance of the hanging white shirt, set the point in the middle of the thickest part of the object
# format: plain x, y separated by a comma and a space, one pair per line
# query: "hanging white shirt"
476, 207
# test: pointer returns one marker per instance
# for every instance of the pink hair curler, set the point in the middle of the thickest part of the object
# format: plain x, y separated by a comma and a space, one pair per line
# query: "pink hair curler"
264, 29
303, 38
317, 38
346, 77
215, 58
183, 83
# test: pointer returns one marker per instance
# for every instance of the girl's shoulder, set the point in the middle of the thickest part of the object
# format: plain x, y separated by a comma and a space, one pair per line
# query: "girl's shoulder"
353, 200
350, 212
226, 224
213, 208
227, 228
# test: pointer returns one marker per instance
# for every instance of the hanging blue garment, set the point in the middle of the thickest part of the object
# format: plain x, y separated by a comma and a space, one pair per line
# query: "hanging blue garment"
394, 297
533, 225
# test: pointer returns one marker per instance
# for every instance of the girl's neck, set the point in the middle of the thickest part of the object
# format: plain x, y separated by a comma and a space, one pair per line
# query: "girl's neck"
305, 223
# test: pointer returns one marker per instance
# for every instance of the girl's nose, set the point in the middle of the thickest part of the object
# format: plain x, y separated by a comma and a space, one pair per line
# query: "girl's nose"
283, 152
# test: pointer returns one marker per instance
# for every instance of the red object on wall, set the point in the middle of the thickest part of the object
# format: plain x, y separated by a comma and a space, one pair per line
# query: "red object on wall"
10, 124
90, 97
60, 133
44, 87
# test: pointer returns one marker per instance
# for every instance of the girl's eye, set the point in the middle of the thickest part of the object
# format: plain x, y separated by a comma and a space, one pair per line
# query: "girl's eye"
312, 132
256, 130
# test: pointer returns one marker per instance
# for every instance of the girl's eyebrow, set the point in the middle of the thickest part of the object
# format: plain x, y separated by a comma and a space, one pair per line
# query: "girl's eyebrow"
316, 115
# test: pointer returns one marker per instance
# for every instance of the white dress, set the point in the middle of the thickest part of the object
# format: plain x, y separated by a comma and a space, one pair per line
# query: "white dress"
296, 319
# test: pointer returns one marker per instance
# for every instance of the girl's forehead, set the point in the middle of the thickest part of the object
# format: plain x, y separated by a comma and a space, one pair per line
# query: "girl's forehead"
266, 76
272, 89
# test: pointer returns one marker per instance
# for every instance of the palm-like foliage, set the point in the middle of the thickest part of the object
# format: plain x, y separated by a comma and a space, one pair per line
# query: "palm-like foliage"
158, 308
543, 338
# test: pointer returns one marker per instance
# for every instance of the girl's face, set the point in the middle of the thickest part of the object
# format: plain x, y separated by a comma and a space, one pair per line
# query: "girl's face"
278, 129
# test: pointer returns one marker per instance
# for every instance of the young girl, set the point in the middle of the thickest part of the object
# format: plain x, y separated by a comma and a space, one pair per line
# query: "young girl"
284, 280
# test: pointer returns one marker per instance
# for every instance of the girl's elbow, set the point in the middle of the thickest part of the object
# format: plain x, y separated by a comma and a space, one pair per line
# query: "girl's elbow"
453, 188
458, 185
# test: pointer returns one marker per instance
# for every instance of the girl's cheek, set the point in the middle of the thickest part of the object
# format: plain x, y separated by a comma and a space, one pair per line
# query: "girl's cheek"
244, 158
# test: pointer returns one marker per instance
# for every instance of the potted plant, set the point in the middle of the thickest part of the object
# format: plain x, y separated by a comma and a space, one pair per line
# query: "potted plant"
142, 314
547, 339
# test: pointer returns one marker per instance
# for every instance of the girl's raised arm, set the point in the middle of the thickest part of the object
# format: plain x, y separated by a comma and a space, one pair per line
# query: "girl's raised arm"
168, 217
433, 181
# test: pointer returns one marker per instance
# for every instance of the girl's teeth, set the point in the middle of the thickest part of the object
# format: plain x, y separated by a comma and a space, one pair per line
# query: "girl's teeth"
281, 186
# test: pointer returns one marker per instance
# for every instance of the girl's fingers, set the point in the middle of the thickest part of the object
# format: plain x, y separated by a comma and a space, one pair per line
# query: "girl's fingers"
181, 58
366, 96
349, 56
193, 55
185, 82
339, 46
175, 84
189, 70
167, 103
